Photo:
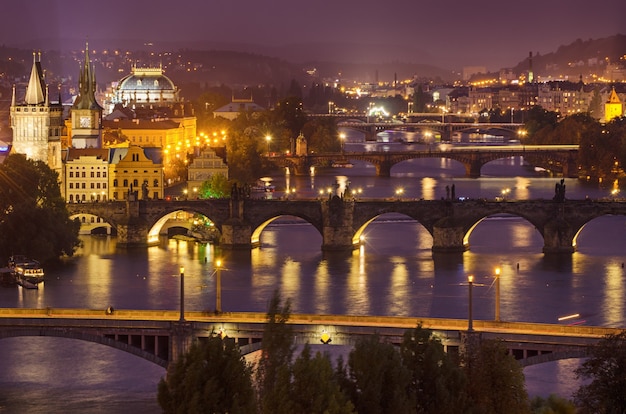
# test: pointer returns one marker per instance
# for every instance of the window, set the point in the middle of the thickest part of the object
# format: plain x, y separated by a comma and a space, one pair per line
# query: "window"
71, 185
82, 186
98, 174
156, 183
92, 185
83, 174
125, 183
115, 182
71, 174
135, 182
93, 174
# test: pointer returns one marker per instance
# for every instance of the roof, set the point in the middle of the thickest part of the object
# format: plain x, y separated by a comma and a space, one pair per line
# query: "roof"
146, 79
76, 153
140, 124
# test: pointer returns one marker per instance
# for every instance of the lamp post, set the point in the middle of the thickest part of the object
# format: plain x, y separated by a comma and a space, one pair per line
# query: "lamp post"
218, 286
182, 294
470, 282
497, 294
268, 139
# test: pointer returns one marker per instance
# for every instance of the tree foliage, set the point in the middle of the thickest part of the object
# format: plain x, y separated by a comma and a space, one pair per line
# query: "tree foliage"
217, 186
552, 405
34, 221
437, 381
381, 383
212, 377
496, 380
606, 368
315, 387
273, 372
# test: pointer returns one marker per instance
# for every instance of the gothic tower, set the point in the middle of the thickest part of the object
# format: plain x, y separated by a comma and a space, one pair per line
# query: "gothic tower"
613, 108
36, 123
86, 112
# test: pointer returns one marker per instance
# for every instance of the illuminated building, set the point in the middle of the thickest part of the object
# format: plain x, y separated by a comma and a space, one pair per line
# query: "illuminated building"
86, 175
86, 116
135, 173
145, 87
203, 166
36, 122
236, 107
613, 108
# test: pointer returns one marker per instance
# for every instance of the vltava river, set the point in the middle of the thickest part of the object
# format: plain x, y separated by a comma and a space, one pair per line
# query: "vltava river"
394, 273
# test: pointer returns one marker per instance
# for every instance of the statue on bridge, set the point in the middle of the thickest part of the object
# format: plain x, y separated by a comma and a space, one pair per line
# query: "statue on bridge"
559, 191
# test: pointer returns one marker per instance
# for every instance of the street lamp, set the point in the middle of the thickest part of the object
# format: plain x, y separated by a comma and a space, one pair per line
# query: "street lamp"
268, 139
218, 286
182, 294
497, 294
470, 282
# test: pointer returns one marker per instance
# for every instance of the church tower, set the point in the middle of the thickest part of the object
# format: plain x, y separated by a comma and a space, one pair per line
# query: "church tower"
86, 112
36, 123
613, 108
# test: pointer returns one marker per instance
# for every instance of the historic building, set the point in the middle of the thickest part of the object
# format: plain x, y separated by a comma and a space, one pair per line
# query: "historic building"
144, 88
85, 129
86, 175
236, 107
613, 108
36, 122
135, 173
204, 165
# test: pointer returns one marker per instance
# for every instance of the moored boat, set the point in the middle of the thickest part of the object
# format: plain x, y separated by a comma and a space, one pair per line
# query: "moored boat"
28, 273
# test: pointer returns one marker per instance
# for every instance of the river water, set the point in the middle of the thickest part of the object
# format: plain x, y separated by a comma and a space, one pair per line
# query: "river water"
393, 273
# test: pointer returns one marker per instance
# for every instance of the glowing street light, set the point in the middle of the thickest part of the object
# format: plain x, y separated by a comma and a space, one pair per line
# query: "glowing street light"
218, 286
470, 323
268, 138
497, 281
182, 294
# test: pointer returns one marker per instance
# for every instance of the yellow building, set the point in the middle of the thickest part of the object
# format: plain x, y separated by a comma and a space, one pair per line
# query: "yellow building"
136, 173
613, 108
203, 166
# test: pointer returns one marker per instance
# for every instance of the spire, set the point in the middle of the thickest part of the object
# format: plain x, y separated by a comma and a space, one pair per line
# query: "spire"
35, 91
13, 97
86, 98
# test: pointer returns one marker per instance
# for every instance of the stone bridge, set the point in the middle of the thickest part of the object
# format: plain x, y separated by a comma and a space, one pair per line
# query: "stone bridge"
341, 221
561, 158
161, 336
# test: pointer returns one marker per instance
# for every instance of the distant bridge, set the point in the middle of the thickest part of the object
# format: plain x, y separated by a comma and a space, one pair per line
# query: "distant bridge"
161, 336
341, 221
562, 158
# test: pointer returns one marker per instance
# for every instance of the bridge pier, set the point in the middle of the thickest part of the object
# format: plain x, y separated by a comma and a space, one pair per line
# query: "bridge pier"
383, 169
448, 237
237, 235
472, 169
181, 338
558, 237
337, 231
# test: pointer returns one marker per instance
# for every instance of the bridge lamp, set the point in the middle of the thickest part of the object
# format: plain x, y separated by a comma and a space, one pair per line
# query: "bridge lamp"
470, 322
497, 281
268, 139
182, 293
218, 286
325, 338
342, 139
399, 192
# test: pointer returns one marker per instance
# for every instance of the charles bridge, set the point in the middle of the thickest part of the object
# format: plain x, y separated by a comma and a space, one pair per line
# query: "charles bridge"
341, 221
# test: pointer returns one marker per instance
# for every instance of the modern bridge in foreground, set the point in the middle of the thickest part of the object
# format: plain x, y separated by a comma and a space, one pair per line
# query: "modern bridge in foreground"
160, 336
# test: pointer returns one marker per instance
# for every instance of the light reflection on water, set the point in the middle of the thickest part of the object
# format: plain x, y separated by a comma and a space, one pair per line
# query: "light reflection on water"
393, 273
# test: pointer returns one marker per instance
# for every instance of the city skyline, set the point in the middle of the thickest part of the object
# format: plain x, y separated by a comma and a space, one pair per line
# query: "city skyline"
449, 35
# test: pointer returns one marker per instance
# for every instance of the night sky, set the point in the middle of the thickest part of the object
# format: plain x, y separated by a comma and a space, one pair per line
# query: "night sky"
449, 34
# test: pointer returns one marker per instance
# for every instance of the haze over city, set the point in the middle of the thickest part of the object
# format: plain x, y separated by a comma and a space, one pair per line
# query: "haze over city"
448, 34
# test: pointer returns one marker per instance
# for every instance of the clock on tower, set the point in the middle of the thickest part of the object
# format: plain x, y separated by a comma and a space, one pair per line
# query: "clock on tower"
85, 122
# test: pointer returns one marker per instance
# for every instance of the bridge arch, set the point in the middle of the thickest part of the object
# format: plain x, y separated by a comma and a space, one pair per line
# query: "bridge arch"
160, 360
359, 234
94, 224
259, 227
503, 216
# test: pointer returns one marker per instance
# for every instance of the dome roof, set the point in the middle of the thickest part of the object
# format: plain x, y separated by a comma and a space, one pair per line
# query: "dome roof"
146, 79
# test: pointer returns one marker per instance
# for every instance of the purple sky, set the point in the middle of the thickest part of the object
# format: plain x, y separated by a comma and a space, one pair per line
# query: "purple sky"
450, 34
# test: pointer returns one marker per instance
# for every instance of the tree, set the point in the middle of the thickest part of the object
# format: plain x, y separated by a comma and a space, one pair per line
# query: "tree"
552, 405
273, 373
34, 221
212, 377
381, 384
496, 380
315, 388
606, 368
437, 381
217, 186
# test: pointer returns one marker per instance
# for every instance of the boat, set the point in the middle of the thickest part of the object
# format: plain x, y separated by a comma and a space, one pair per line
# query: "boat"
342, 164
28, 273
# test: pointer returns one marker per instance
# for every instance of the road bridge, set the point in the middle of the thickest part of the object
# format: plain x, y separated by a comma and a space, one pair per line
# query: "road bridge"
561, 158
160, 336
341, 221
